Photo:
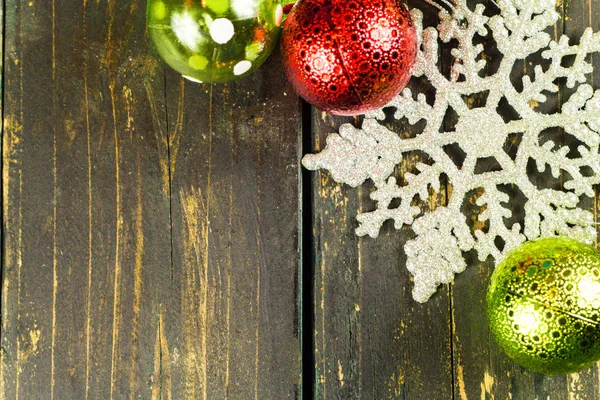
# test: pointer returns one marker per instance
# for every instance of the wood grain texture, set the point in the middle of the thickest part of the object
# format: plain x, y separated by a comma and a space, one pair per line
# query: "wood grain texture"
235, 233
150, 227
151, 232
371, 339
481, 368
93, 216
585, 13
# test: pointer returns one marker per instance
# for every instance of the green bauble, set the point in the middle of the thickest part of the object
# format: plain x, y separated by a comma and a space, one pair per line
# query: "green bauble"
543, 305
214, 40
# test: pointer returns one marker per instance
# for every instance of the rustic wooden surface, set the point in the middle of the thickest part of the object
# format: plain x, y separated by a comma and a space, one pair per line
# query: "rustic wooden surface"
160, 240
371, 339
151, 225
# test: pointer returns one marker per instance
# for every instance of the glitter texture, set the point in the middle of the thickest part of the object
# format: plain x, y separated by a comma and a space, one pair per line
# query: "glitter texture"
543, 305
373, 151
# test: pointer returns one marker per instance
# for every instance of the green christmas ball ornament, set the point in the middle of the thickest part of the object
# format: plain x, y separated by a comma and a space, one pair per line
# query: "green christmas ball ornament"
543, 305
214, 40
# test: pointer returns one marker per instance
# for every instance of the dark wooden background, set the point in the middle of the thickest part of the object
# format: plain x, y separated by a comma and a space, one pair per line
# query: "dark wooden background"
160, 240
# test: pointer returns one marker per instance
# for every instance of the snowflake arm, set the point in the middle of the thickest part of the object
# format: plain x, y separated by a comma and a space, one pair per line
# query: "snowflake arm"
419, 184
494, 214
436, 254
356, 155
589, 43
442, 235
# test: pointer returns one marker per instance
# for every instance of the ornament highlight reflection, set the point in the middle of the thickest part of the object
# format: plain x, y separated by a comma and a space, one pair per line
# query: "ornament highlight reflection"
187, 30
214, 40
543, 305
589, 292
527, 319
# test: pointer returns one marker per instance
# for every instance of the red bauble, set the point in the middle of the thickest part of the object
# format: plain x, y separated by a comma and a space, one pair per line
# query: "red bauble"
348, 57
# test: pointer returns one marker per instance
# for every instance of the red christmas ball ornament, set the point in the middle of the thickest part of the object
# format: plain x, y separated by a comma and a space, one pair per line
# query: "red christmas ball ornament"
348, 57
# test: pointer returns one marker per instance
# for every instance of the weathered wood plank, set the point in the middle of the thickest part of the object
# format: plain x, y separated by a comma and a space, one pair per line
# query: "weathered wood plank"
359, 304
480, 367
337, 280
130, 237
84, 202
578, 16
12, 178
371, 339
234, 171
10, 228
93, 304
93, 212
482, 370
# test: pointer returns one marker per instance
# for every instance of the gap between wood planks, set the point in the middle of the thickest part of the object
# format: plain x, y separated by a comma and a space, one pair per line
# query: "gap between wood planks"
307, 261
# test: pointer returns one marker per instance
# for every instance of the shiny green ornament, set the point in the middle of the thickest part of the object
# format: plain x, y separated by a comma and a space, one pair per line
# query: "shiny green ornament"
214, 40
543, 305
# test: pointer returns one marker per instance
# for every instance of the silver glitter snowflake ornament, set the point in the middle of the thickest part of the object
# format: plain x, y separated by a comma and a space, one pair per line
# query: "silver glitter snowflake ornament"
373, 151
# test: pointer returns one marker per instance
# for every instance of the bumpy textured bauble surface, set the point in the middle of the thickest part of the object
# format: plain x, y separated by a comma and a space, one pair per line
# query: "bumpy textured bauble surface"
214, 40
543, 305
348, 57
